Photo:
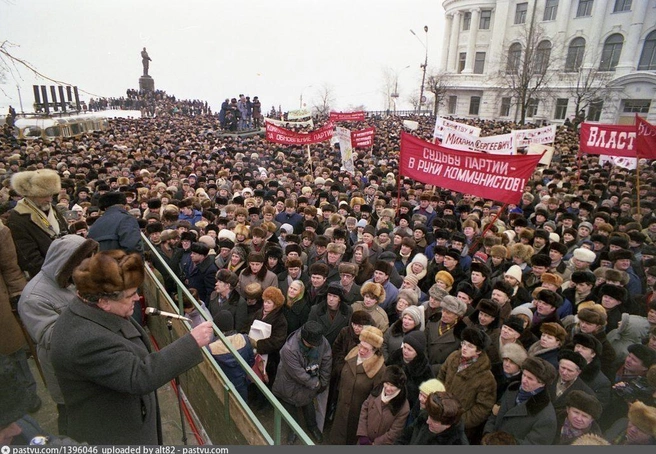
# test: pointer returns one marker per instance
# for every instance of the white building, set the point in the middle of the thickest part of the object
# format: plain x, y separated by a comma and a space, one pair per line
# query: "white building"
612, 40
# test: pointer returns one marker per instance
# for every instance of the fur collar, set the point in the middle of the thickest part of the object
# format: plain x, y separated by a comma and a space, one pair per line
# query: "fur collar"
396, 404
371, 365
535, 404
24, 209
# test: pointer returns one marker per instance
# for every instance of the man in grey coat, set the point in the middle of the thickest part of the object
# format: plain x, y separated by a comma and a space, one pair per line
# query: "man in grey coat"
103, 359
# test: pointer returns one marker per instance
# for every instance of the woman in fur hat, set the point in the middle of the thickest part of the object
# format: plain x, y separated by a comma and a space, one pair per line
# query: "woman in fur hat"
552, 340
372, 295
363, 370
440, 424
256, 272
271, 313
406, 298
384, 413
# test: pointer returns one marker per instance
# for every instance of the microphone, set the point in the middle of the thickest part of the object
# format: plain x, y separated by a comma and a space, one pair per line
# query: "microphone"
155, 311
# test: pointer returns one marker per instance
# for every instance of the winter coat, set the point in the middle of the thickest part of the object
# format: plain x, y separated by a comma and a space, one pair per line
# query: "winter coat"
560, 401
416, 371
300, 374
439, 347
229, 364
31, 241
608, 354
345, 342
418, 433
331, 327
356, 383
46, 296
203, 278
12, 282
272, 345
633, 330
597, 381
117, 229
382, 422
561, 417
353, 294
236, 305
393, 338
548, 354
474, 387
531, 423
245, 278
377, 313
107, 371
296, 315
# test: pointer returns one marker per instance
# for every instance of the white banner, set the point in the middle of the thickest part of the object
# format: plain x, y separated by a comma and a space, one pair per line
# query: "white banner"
536, 148
344, 138
289, 124
442, 125
621, 161
296, 114
411, 125
501, 144
525, 137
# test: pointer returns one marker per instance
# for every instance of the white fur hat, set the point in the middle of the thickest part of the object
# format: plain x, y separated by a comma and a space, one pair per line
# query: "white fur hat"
36, 183
584, 255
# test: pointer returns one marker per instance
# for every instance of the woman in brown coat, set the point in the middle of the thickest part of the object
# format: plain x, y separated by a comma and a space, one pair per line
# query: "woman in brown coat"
362, 372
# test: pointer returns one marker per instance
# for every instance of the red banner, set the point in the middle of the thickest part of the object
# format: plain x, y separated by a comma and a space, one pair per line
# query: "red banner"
285, 136
646, 139
363, 138
495, 177
610, 140
347, 116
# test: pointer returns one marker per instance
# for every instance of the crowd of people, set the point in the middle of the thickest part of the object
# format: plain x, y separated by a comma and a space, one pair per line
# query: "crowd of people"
399, 312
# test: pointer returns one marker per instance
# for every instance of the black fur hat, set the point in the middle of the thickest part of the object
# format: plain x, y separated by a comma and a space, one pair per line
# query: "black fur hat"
584, 402
614, 291
109, 199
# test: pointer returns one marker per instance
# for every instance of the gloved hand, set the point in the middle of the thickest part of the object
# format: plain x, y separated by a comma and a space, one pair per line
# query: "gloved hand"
364, 441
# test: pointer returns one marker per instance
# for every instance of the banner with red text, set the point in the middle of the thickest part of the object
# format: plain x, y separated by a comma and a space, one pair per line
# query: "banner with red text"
285, 136
501, 144
525, 137
611, 140
499, 178
363, 138
646, 139
442, 125
347, 116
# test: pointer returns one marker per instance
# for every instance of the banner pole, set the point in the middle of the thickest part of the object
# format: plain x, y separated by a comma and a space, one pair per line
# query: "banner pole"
398, 194
310, 160
487, 227
638, 189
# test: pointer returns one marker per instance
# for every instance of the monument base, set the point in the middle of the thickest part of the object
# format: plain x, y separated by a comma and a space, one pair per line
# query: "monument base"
146, 83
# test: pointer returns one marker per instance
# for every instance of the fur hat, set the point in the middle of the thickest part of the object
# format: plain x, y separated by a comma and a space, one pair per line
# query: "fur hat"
453, 304
362, 318
375, 289
468, 289
550, 278
274, 294
515, 323
515, 353
585, 402
582, 277
409, 295
620, 254
643, 353
372, 335
551, 298
571, 355
514, 271
200, 248
488, 307
480, 268
614, 291
36, 183
445, 277
590, 439
595, 314
584, 255
383, 266
643, 417
109, 199
476, 337
588, 341
543, 370
335, 288
229, 277
554, 329
240, 251
319, 268
253, 291
431, 386
541, 260
348, 268
436, 292
312, 333
499, 251
336, 248
294, 263
614, 275
108, 272
417, 340
394, 375
455, 254
560, 247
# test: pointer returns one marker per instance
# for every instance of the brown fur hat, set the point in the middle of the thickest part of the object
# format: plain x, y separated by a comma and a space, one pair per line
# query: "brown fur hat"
348, 268
643, 417
499, 251
108, 272
274, 294
584, 402
374, 289
36, 183
336, 248
595, 314
372, 335
543, 370
555, 330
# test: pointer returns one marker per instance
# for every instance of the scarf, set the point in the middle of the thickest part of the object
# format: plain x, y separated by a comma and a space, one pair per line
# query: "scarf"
45, 221
311, 355
569, 433
465, 363
444, 328
386, 398
523, 396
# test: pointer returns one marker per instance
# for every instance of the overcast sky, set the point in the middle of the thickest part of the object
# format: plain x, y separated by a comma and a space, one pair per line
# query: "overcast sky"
211, 50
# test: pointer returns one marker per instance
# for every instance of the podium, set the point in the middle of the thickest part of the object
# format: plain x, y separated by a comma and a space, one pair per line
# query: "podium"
146, 83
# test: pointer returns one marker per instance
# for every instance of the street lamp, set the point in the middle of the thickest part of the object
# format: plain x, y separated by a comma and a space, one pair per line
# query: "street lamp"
424, 66
301, 98
395, 95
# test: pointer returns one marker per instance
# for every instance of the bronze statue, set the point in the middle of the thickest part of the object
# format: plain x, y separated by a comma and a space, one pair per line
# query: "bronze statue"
144, 61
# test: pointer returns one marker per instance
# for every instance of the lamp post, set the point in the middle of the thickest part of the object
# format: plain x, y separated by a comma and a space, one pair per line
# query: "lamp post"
424, 66
301, 97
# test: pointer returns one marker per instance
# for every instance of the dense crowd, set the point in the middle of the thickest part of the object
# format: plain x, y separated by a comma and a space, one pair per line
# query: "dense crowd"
400, 312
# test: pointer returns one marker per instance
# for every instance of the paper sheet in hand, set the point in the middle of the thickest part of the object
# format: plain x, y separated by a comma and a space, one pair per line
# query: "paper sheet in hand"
259, 330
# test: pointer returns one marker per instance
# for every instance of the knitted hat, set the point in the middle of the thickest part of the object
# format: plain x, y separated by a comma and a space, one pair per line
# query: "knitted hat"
585, 402
409, 295
416, 340
571, 355
416, 313
643, 417
543, 370
312, 333
595, 315
515, 353
431, 386
588, 341
373, 336
515, 323
445, 277
476, 337
108, 272
374, 289
514, 271
453, 304
361, 318
584, 255
586, 225
522, 310
274, 294
411, 279
554, 329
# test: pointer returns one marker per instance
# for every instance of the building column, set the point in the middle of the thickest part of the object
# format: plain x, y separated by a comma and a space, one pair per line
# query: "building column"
562, 16
497, 53
453, 42
593, 48
471, 43
630, 52
445, 44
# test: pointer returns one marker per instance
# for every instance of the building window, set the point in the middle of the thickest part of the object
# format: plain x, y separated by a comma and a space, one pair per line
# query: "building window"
520, 13
453, 102
466, 21
561, 108
542, 55
505, 107
485, 19
610, 56
532, 107
636, 106
462, 59
622, 5
474, 105
575, 54
479, 63
550, 10
514, 57
585, 8
648, 56
594, 111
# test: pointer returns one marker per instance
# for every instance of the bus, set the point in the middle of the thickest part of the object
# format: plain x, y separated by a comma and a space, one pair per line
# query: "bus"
50, 127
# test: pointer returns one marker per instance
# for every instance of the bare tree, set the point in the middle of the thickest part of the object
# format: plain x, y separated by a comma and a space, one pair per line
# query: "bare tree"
388, 88
325, 97
587, 86
438, 84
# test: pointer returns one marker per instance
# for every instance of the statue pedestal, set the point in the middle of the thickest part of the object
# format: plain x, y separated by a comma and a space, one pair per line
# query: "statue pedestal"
146, 83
